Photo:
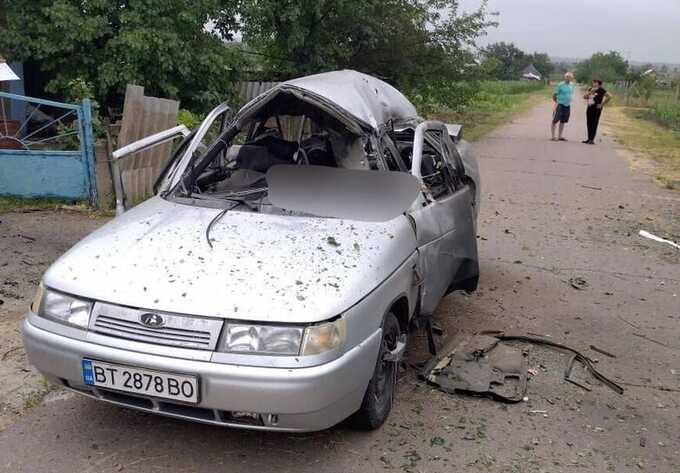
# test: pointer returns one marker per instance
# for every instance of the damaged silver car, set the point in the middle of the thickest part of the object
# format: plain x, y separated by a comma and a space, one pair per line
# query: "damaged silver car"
272, 280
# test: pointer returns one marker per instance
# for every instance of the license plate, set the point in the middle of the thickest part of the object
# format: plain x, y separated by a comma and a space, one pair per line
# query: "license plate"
141, 381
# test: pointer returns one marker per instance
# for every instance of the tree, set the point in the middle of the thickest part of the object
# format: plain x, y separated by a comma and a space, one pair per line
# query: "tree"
403, 41
511, 60
163, 45
609, 67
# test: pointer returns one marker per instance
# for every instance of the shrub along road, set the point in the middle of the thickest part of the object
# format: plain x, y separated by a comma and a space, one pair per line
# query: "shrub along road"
550, 212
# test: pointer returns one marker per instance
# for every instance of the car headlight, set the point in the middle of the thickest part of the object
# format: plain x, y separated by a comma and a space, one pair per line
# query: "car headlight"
62, 307
265, 339
325, 337
282, 339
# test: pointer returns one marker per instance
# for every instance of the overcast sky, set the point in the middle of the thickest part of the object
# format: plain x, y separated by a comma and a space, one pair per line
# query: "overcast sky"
642, 30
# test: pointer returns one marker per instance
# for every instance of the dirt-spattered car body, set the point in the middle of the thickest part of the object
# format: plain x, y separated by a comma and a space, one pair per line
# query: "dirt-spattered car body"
272, 280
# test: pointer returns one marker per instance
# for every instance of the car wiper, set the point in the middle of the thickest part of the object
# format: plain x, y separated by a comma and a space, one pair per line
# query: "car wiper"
214, 221
236, 202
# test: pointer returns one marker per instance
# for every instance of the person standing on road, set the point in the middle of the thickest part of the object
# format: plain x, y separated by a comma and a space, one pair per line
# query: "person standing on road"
597, 97
562, 99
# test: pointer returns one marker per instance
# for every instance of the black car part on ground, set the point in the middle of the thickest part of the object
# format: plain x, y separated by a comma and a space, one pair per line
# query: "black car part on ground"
480, 364
578, 356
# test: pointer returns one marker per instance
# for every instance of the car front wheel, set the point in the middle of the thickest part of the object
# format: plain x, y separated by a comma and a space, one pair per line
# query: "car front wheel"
377, 402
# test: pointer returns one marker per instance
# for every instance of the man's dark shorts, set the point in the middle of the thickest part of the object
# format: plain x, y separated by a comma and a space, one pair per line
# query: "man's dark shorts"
561, 114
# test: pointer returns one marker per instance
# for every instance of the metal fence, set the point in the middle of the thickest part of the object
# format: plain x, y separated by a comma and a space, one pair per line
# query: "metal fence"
46, 148
248, 90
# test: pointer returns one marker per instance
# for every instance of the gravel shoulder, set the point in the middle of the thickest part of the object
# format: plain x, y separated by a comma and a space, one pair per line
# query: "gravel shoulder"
30, 240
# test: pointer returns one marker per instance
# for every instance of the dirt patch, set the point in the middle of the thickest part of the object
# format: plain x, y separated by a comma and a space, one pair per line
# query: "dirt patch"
30, 240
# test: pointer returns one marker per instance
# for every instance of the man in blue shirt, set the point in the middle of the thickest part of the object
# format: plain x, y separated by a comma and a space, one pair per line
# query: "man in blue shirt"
562, 99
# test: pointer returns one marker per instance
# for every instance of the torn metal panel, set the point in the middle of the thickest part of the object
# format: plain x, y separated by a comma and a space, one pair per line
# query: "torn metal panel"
481, 365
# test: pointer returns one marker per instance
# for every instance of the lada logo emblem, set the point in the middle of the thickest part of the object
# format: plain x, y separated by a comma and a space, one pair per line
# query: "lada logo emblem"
152, 320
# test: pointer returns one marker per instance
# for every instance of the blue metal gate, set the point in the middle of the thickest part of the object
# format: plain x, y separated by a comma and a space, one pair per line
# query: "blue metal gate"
46, 148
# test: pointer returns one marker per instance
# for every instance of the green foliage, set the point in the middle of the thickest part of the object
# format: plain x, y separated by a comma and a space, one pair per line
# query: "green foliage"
189, 119
406, 42
494, 104
433, 95
509, 58
505, 61
511, 87
176, 48
646, 86
667, 114
162, 45
609, 67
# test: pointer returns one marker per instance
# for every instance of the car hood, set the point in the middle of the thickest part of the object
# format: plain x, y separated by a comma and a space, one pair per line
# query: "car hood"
261, 267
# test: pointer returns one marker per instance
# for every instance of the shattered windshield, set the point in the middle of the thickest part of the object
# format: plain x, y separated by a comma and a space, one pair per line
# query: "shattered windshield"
322, 166
235, 164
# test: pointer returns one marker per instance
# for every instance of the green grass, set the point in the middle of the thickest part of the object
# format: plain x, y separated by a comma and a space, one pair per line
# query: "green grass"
34, 398
18, 204
496, 103
649, 127
648, 141
662, 106
667, 114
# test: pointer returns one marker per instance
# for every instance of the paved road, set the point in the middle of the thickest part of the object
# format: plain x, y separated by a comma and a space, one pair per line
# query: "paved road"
551, 211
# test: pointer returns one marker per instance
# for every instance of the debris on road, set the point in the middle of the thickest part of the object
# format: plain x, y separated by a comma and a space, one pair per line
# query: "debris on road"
482, 365
651, 236
604, 352
578, 283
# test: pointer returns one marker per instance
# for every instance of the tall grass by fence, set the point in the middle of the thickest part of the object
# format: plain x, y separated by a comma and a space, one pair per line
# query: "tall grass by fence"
668, 114
661, 105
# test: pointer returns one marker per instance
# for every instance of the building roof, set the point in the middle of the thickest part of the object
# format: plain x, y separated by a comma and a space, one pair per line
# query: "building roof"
6, 73
531, 70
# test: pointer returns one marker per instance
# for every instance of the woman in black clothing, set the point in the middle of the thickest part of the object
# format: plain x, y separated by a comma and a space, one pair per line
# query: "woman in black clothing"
597, 97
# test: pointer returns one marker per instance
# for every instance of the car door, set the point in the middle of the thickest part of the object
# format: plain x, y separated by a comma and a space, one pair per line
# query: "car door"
465, 238
442, 217
191, 142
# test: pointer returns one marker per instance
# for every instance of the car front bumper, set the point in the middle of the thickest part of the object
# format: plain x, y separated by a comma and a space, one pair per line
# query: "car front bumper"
299, 399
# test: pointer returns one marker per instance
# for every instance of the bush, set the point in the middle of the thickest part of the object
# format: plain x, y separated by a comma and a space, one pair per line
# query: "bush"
189, 119
433, 96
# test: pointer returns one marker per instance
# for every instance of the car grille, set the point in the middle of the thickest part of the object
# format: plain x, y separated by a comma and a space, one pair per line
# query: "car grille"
177, 330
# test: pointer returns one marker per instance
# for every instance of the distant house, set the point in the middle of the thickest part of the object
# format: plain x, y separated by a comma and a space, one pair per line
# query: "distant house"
531, 73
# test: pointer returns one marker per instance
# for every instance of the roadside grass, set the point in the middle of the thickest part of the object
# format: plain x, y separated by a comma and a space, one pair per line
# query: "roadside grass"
36, 397
24, 205
651, 144
496, 104
661, 106
19, 204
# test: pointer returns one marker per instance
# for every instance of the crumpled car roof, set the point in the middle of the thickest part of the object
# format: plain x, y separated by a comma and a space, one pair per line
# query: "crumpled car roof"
368, 99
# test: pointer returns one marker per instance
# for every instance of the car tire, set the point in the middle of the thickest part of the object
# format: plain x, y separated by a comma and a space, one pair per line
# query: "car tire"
377, 402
